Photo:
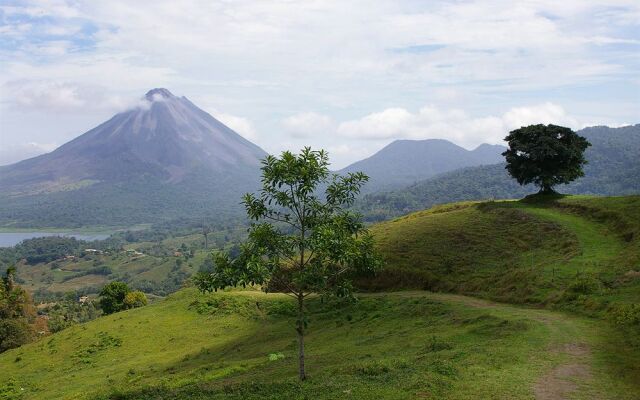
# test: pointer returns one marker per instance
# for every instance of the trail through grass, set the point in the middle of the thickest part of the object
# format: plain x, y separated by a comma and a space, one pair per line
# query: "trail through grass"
597, 246
241, 345
578, 255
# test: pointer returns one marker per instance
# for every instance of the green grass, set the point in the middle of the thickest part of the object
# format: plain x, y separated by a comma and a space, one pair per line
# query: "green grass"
569, 262
574, 252
241, 345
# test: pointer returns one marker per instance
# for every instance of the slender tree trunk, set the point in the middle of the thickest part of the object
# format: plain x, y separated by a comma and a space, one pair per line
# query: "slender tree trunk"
206, 243
300, 329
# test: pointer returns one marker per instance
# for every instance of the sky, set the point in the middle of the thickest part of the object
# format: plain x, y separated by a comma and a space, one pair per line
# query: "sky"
346, 76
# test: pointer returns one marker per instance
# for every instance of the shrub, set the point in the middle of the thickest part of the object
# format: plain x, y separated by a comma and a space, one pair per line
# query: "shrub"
584, 284
626, 314
135, 299
14, 332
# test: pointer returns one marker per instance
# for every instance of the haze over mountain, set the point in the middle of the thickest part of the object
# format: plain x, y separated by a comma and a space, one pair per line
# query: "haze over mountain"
155, 161
404, 162
612, 169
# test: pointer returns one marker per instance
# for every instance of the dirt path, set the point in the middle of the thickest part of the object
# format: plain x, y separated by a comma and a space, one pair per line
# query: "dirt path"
563, 380
573, 361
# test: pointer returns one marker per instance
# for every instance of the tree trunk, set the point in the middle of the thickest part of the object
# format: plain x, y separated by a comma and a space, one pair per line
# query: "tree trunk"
300, 329
546, 189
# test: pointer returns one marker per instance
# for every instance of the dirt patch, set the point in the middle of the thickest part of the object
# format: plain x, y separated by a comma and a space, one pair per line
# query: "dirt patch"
466, 300
560, 382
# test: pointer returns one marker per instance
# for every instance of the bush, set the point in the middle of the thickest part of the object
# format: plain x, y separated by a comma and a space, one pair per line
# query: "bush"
135, 299
584, 284
14, 333
626, 314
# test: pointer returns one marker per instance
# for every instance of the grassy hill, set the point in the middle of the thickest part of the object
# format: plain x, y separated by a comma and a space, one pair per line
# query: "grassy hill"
575, 252
578, 257
240, 345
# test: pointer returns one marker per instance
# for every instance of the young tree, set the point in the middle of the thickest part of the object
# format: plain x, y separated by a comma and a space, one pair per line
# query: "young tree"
546, 155
303, 240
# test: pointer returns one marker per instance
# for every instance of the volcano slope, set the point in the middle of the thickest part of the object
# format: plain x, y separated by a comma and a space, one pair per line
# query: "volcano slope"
394, 345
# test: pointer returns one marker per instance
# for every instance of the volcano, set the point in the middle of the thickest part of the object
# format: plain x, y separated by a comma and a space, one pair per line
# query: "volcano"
165, 152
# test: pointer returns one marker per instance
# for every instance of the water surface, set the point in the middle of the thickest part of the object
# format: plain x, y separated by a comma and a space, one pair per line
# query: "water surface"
8, 239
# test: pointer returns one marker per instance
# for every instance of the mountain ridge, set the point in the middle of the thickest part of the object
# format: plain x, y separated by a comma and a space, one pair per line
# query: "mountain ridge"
403, 162
612, 170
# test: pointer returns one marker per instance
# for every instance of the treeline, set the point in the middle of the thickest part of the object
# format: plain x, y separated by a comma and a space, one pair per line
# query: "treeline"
51, 248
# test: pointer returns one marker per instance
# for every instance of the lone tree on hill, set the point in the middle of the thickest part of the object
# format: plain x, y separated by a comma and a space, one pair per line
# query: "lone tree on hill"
303, 241
545, 155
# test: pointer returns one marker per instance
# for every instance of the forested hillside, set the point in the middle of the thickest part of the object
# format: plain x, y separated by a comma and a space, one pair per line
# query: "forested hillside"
612, 169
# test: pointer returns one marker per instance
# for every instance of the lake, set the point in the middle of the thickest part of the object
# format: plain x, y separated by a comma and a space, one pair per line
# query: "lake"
8, 239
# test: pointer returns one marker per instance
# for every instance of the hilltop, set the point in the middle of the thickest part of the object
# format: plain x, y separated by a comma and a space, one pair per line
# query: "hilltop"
575, 252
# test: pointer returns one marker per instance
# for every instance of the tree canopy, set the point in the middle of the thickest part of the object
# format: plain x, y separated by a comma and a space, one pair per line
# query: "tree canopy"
112, 297
545, 155
303, 239
17, 314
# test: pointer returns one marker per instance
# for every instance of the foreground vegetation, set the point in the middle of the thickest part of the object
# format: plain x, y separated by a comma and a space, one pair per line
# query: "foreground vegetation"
396, 345
576, 256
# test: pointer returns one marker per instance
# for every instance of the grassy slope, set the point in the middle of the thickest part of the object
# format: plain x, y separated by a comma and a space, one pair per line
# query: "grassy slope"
521, 252
383, 347
395, 346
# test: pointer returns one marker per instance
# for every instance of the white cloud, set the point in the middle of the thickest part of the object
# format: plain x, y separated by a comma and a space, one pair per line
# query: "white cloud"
46, 94
547, 113
256, 58
390, 123
453, 124
308, 124
239, 124
67, 97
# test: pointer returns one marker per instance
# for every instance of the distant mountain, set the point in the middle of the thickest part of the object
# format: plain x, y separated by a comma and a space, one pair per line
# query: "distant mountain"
163, 159
612, 169
404, 162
